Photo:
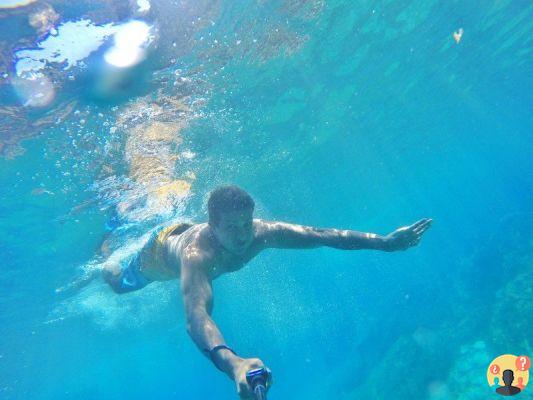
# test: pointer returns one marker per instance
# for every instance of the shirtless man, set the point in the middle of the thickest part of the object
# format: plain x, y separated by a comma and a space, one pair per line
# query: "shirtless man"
197, 254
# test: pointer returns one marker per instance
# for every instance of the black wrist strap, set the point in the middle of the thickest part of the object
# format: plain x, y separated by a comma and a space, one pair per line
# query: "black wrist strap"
211, 353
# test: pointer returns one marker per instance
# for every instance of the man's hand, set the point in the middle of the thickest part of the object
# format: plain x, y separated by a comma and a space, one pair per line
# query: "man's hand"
407, 236
240, 369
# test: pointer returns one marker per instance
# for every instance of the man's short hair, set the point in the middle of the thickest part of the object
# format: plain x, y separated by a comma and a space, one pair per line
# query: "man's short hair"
227, 198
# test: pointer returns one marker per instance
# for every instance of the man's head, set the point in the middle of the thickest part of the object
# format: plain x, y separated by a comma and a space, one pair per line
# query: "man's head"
508, 377
231, 217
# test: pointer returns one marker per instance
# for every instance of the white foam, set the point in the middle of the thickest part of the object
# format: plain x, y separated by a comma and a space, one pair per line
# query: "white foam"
98, 303
109, 310
75, 41
144, 5
130, 42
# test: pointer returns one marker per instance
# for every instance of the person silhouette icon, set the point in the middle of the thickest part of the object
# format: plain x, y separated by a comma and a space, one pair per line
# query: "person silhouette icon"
520, 383
496, 381
508, 390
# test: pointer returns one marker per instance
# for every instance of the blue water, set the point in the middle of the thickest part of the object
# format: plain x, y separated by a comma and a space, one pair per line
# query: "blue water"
363, 116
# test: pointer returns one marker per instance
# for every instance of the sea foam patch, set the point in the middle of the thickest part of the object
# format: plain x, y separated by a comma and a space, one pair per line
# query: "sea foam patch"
74, 41
130, 43
144, 6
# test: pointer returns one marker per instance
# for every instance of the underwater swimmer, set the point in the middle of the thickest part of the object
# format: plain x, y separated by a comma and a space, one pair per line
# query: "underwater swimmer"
197, 254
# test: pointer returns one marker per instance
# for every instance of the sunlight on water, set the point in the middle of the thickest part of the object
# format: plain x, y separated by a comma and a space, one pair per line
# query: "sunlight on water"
130, 42
14, 3
144, 6
75, 41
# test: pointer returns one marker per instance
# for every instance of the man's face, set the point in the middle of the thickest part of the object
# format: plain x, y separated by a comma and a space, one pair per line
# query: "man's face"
234, 230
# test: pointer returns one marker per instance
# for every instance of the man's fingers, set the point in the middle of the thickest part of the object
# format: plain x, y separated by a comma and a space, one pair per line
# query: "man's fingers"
418, 223
415, 231
244, 392
424, 222
422, 226
421, 230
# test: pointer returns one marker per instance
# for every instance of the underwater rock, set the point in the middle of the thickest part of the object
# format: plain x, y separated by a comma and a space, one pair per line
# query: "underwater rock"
17, 125
279, 35
412, 368
149, 151
304, 9
467, 377
152, 129
14, 127
511, 325
497, 309
494, 260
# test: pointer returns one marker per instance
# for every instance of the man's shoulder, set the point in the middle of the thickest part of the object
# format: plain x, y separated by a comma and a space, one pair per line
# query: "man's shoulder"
197, 250
262, 225
264, 228
194, 258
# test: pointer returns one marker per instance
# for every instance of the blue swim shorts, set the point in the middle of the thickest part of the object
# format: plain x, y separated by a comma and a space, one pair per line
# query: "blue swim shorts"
130, 277
151, 256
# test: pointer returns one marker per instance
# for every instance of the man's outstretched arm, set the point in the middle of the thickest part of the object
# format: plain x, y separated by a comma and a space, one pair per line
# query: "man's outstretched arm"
197, 293
284, 235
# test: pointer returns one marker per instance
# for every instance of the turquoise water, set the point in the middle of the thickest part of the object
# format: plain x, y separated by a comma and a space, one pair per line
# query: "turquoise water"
364, 116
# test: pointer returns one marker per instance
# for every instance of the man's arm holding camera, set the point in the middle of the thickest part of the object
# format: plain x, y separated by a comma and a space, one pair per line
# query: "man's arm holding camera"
197, 292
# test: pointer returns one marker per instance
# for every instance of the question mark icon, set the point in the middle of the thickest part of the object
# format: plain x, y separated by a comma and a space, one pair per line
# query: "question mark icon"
495, 369
522, 363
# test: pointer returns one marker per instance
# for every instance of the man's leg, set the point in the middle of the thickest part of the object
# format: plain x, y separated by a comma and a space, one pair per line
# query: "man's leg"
112, 274
128, 279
